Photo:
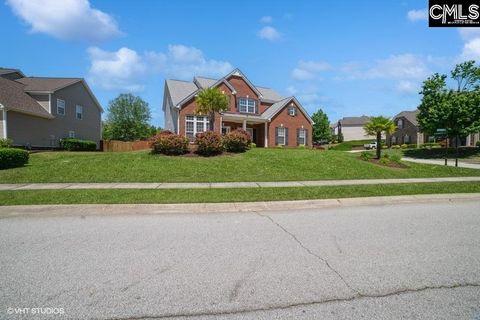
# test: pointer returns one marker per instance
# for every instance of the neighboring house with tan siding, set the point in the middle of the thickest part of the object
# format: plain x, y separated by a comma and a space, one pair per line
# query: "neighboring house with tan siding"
352, 128
37, 111
271, 120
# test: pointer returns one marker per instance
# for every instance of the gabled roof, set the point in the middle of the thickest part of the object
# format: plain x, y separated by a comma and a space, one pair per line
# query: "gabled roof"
182, 91
409, 115
275, 108
179, 90
352, 121
10, 70
42, 84
13, 97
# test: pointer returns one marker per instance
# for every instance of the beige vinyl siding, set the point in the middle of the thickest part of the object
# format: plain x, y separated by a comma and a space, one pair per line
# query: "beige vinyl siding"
26, 129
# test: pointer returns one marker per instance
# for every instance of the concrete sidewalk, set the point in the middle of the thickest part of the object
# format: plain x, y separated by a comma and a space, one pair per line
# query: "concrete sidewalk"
441, 162
217, 185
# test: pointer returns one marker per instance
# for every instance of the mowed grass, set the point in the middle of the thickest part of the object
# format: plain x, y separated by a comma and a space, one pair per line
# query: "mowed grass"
255, 165
122, 196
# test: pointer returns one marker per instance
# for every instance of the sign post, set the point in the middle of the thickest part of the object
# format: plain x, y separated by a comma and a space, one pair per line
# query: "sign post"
443, 133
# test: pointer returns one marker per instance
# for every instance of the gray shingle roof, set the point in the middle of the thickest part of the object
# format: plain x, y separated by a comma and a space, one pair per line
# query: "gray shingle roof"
275, 108
179, 90
13, 97
270, 94
46, 84
352, 121
9, 70
409, 115
206, 82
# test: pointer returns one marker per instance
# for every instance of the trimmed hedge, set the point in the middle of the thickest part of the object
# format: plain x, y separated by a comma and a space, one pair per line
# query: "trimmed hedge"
430, 145
237, 140
169, 143
72, 144
209, 143
5, 143
13, 158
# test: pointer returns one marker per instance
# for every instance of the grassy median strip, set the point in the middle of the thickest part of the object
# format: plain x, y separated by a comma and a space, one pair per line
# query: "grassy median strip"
27, 197
257, 164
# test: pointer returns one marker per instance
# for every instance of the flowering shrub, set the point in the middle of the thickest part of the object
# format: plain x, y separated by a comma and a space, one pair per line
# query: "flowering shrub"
238, 140
169, 143
209, 143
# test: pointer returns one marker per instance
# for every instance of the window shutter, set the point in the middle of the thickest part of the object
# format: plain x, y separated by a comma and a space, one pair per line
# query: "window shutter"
276, 136
298, 137
238, 105
256, 106
286, 136
306, 137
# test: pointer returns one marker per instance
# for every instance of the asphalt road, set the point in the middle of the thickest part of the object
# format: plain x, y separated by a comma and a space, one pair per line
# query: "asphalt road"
408, 261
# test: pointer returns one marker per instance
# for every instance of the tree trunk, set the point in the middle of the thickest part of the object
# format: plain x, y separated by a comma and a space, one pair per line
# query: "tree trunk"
212, 121
379, 145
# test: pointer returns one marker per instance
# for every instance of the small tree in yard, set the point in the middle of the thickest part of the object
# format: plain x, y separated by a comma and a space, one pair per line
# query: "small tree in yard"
209, 101
128, 119
321, 127
376, 126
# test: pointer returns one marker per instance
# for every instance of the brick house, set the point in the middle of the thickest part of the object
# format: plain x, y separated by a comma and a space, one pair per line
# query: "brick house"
271, 120
408, 132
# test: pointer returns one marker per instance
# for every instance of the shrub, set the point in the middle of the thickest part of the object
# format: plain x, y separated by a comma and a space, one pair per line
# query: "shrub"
430, 145
340, 137
365, 156
5, 143
169, 143
12, 158
395, 157
395, 146
412, 146
237, 141
209, 143
253, 145
301, 146
71, 144
477, 144
404, 146
384, 146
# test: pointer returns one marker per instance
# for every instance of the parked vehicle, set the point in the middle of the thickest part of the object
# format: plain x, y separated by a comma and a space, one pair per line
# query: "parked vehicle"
371, 145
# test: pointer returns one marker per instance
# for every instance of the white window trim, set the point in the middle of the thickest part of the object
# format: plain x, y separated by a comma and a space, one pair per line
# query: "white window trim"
283, 135
248, 100
294, 111
300, 132
76, 112
196, 119
64, 107
71, 134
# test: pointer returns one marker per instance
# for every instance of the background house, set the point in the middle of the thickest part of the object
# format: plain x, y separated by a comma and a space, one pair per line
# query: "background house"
408, 132
271, 119
352, 128
37, 112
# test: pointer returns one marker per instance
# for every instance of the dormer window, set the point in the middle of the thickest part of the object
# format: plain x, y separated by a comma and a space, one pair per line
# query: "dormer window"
292, 111
246, 105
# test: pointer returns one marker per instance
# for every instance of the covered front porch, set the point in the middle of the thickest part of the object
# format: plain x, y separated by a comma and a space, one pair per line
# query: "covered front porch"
255, 125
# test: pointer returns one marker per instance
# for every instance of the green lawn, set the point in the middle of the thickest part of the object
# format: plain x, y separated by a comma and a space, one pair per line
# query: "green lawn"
29, 197
471, 155
255, 165
347, 145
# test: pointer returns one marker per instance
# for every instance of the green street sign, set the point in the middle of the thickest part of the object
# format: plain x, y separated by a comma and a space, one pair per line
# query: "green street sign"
441, 131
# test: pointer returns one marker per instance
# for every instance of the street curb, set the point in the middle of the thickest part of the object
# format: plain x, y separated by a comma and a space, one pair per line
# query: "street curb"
232, 207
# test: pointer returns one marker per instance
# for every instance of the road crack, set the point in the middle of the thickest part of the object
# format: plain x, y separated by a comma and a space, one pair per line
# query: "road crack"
310, 252
293, 305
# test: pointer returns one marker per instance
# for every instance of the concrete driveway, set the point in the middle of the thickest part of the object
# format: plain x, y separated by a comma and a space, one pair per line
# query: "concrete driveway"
403, 261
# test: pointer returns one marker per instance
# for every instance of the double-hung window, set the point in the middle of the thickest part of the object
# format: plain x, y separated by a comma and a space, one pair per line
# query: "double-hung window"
79, 112
61, 107
400, 123
194, 125
246, 105
281, 137
291, 111
301, 136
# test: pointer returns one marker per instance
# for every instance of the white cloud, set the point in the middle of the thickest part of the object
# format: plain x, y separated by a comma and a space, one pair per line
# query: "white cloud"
266, 19
406, 87
309, 70
269, 33
404, 66
125, 69
417, 15
66, 19
471, 50
121, 69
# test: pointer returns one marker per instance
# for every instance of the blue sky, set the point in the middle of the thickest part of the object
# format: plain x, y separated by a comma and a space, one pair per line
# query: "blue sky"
345, 57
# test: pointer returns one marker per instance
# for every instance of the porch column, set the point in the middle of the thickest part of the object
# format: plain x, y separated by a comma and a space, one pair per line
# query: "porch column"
468, 140
244, 126
266, 135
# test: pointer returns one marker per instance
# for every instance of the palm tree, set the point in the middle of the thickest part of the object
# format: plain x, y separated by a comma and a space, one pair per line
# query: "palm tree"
209, 101
376, 126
